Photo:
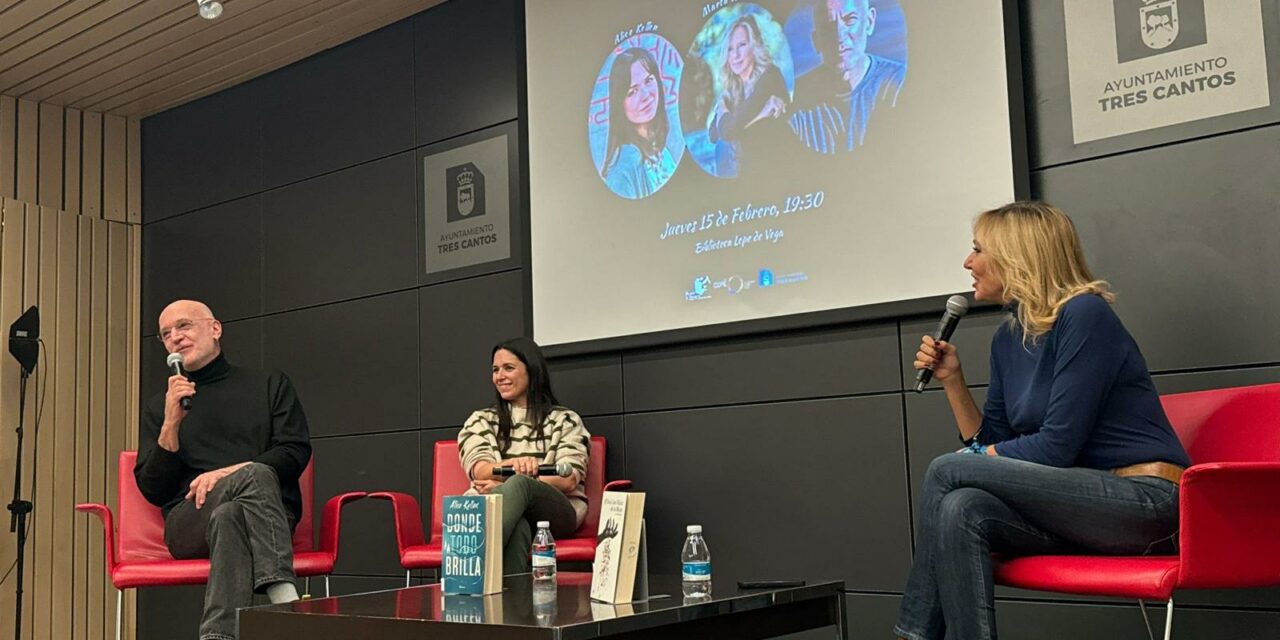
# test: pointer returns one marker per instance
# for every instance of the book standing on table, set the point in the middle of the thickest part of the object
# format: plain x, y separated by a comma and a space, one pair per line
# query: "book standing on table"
472, 553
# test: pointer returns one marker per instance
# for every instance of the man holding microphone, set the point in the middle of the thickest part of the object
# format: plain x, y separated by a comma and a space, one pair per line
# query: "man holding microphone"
225, 470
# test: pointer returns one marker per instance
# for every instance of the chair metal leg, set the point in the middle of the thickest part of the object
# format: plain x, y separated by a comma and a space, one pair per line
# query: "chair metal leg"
306, 586
1145, 620
1168, 621
406, 578
326, 587
119, 610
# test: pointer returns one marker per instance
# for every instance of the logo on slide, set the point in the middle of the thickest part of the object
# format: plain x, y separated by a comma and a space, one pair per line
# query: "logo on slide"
1146, 28
701, 289
465, 186
765, 279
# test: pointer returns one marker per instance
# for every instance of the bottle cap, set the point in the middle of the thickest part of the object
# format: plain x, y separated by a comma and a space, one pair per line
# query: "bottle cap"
544, 524
693, 528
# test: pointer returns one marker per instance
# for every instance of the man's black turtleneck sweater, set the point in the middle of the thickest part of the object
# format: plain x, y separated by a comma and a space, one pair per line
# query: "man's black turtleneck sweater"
237, 415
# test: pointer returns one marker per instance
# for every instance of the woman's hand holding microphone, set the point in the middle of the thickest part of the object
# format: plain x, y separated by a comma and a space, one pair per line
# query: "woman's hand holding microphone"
941, 356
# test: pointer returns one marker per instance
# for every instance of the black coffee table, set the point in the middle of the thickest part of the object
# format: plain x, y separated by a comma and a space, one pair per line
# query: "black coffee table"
565, 612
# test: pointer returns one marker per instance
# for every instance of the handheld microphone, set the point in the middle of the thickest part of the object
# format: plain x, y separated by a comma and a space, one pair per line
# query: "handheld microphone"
562, 469
957, 306
175, 365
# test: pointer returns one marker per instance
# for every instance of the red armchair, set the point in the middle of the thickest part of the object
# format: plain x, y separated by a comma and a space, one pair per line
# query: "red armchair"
416, 552
137, 556
1227, 513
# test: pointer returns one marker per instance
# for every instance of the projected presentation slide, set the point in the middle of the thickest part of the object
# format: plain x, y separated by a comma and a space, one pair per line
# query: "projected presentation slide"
700, 163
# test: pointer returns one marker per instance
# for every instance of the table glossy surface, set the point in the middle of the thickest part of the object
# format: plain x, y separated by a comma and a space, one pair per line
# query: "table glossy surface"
564, 611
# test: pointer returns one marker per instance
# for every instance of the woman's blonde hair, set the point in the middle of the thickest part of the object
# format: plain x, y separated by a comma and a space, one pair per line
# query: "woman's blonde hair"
735, 88
1035, 251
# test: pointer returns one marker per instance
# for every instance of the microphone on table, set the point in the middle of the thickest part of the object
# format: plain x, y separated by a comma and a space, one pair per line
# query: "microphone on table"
175, 365
562, 469
957, 306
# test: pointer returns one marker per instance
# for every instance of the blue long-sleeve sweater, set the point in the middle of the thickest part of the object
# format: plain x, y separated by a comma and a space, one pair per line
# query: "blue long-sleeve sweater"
1078, 396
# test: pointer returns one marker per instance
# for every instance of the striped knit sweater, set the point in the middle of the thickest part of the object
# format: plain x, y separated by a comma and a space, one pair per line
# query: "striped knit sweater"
566, 440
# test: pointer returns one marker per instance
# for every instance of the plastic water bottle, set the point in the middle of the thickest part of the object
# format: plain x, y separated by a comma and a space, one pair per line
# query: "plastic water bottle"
695, 559
544, 553
544, 602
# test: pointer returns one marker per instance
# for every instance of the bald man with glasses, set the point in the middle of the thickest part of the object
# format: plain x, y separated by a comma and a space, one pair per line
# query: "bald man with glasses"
225, 472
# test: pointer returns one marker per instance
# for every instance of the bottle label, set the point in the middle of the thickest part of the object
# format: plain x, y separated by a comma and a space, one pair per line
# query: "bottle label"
544, 558
696, 572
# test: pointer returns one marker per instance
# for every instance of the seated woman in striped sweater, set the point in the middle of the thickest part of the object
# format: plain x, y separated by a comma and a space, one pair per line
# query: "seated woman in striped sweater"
523, 429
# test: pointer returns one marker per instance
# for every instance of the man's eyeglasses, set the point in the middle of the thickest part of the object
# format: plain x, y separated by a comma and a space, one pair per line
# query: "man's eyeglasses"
182, 326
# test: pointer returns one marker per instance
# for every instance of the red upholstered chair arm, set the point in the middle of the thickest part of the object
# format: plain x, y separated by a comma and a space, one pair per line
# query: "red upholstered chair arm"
618, 485
1229, 521
408, 518
108, 529
331, 520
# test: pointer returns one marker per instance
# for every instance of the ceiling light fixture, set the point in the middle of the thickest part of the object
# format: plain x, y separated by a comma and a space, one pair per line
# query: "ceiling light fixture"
209, 9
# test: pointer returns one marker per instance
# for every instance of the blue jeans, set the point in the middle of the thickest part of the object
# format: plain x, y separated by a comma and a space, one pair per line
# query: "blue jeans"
975, 505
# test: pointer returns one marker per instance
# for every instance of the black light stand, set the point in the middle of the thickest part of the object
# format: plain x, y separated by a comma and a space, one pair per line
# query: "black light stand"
24, 336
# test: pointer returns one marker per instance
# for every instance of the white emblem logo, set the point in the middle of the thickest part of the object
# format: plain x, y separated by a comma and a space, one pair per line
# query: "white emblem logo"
466, 192
1158, 21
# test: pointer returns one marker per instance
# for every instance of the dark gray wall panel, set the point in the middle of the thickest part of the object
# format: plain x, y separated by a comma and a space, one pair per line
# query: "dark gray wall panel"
475, 49
461, 321
344, 235
168, 612
972, 340
213, 255
1189, 258
1061, 621
611, 429
342, 107
931, 432
201, 153
355, 364
241, 344
153, 375
806, 365
869, 616
1238, 598
750, 474
384, 462
348, 585
1201, 380
1048, 95
1243, 598
590, 385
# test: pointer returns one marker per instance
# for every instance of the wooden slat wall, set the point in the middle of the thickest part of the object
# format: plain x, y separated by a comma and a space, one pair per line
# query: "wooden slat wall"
70, 204
82, 272
70, 160
91, 165
8, 140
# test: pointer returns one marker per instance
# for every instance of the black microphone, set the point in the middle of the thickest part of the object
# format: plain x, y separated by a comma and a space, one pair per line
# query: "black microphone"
175, 365
957, 306
562, 469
